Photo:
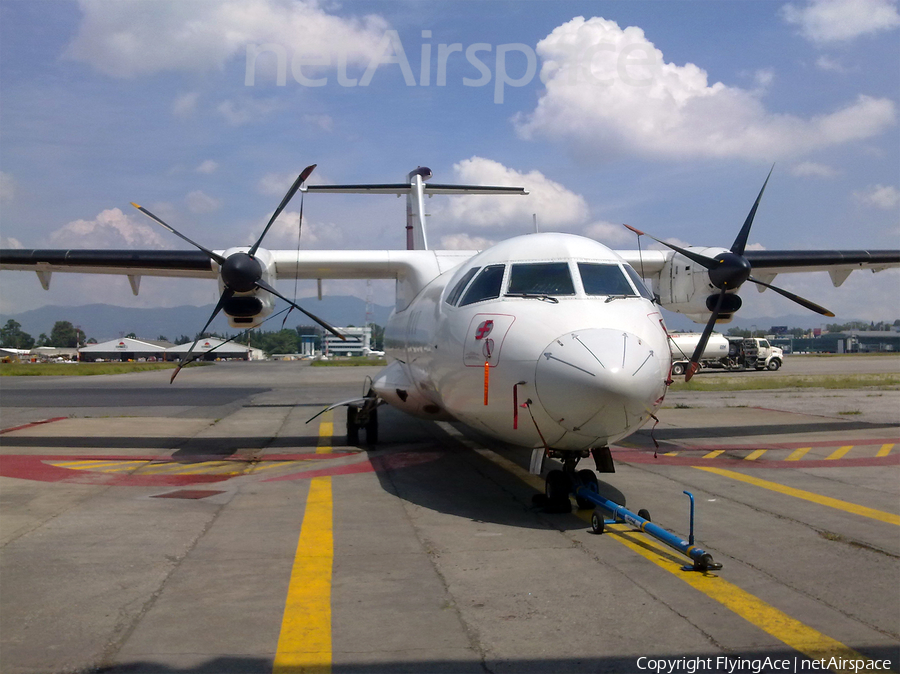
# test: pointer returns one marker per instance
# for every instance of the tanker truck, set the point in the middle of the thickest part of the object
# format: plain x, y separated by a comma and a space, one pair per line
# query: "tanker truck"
729, 353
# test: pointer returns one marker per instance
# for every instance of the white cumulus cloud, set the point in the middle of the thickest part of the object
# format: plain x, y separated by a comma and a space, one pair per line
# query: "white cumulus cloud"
884, 197
207, 166
200, 202
813, 169
127, 39
609, 88
186, 104
110, 229
465, 242
554, 205
824, 21
7, 187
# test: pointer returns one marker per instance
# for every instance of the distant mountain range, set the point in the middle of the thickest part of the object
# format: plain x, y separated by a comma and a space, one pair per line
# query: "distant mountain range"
105, 321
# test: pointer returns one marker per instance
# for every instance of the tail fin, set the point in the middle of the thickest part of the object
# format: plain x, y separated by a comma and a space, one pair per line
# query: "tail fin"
415, 190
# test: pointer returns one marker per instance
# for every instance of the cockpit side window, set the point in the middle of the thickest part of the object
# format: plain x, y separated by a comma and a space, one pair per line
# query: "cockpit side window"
639, 283
486, 285
541, 278
454, 295
604, 279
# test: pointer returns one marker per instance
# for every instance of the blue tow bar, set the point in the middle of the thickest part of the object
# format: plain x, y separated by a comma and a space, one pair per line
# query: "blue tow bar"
703, 561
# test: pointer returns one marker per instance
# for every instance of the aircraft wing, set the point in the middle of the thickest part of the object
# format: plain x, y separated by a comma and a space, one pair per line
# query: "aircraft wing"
768, 263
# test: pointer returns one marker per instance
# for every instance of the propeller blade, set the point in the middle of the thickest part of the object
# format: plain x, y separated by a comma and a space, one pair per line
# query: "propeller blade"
265, 286
284, 202
812, 306
215, 256
704, 338
226, 295
702, 260
740, 241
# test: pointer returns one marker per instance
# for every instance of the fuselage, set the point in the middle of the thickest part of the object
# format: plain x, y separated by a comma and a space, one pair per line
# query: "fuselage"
545, 339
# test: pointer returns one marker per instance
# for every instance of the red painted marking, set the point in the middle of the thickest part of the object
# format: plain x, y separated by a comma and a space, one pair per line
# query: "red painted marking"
484, 329
376, 464
33, 423
632, 456
37, 467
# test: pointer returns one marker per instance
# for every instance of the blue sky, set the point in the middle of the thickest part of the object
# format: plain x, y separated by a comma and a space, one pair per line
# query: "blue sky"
104, 103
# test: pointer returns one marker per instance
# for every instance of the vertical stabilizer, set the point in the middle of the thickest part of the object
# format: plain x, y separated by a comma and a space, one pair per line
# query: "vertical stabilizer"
416, 237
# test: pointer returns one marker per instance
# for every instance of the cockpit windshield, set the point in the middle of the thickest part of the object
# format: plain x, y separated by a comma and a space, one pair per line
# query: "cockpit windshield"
604, 279
540, 278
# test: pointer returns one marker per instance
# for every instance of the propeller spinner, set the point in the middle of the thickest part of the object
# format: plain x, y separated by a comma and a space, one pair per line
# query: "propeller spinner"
728, 271
242, 272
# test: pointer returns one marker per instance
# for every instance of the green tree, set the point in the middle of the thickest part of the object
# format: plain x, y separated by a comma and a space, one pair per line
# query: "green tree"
65, 334
91, 340
162, 338
13, 336
42, 340
131, 335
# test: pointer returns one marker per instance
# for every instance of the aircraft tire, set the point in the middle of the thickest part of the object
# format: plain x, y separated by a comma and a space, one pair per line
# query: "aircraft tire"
352, 428
587, 478
643, 513
372, 428
556, 487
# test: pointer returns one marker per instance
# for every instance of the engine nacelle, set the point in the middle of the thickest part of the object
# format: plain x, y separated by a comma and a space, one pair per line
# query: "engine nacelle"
249, 309
684, 286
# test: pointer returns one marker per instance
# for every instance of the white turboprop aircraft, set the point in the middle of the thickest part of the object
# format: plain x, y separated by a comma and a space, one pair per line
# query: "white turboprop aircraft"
548, 341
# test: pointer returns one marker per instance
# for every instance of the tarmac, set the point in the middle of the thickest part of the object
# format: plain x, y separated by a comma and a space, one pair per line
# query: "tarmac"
206, 528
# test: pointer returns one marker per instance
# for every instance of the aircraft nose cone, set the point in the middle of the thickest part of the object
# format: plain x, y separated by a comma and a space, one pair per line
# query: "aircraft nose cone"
600, 383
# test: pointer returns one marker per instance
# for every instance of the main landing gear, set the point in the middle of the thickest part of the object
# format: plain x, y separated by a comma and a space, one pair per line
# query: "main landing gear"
363, 416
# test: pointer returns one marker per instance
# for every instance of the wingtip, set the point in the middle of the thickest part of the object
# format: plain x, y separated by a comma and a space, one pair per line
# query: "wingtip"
138, 206
633, 229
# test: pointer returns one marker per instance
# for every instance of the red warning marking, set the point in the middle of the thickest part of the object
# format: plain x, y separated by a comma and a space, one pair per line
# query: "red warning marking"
37, 467
33, 423
376, 464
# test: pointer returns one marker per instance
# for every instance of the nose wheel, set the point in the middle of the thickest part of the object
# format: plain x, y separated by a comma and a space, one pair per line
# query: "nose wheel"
559, 484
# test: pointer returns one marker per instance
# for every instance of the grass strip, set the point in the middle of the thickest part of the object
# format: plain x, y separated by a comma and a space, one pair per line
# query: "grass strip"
751, 383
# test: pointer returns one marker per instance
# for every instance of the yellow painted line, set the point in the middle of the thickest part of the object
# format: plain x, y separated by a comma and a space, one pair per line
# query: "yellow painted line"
215, 468
755, 454
671, 454
713, 454
763, 615
839, 452
98, 465
798, 454
885, 450
266, 465
846, 506
304, 644
326, 430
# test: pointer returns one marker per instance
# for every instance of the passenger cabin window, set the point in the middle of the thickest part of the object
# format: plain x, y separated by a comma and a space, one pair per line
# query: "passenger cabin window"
604, 279
454, 295
541, 278
486, 285
639, 283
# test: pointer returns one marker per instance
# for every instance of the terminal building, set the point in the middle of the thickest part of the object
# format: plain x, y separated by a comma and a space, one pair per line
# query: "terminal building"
358, 342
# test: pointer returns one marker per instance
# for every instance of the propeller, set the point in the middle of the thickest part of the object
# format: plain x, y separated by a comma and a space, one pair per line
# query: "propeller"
242, 272
728, 271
